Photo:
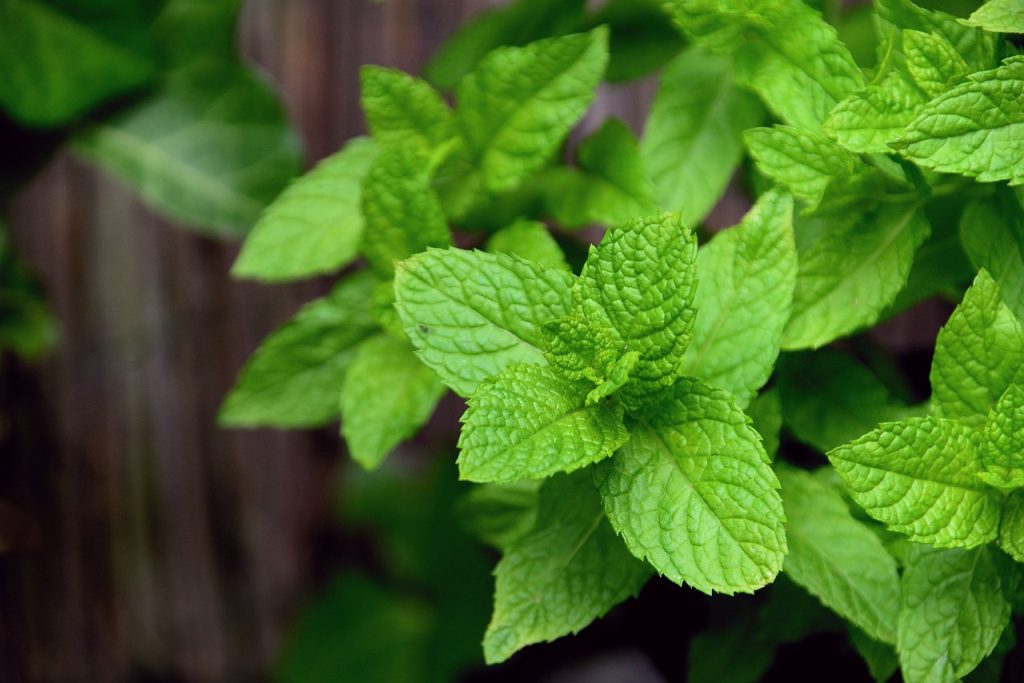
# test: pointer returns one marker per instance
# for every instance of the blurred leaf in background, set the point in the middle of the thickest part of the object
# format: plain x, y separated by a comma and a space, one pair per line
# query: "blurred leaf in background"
26, 326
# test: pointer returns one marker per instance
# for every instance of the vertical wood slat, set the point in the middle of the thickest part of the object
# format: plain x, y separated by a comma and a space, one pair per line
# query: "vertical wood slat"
167, 547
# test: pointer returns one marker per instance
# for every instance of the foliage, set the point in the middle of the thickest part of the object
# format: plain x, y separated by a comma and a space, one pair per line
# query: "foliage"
642, 411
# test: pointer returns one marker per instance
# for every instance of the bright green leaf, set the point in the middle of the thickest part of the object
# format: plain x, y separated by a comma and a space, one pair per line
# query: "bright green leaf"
919, 477
470, 315
933, 62
529, 240
402, 109
1011, 529
568, 570
316, 225
1003, 450
976, 47
1001, 16
692, 493
528, 423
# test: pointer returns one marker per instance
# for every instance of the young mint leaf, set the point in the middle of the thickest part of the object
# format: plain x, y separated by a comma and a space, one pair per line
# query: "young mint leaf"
387, 396
933, 62
975, 129
978, 354
746, 277
529, 240
692, 493
992, 234
849, 276
693, 139
569, 570
952, 615
520, 102
528, 423
1003, 452
1000, 16
610, 186
211, 147
402, 109
920, 478
62, 59
829, 399
582, 349
470, 315
403, 214
976, 47
837, 558
805, 162
784, 50
639, 285
294, 378
1011, 529
316, 225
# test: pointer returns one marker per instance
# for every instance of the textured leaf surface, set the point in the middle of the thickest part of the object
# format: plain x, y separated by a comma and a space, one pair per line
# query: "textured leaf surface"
919, 477
520, 102
837, 558
829, 399
952, 615
693, 139
746, 277
528, 423
1003, 451
933, 62
639, 285
470, 315
978, 353
387, 395
992, 234
693, 494
867, 121
975, 129
403, 214
976, 47
568, 570
1001, 16
402, 109
210, 148
785, 51
62, 59
610, 186
850, 275
529, 240
315, 226
295, 377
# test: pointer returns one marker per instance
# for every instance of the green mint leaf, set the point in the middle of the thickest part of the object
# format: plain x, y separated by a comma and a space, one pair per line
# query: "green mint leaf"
693, 139
784, 50
295, 377
471, 315
1011, 529
62, 59
639, 285
582, 349
517, 23
315, 226
403, 215
610, 186
850, 275
975, 129
992, 234
803, 161
952, 615
880, 657
746, 276
498, 514
528, 423
829, 399
519, 103
920, 478
976, 47
388, 394
692, 493
211, 147
402, 109
978, 354
569, 570
765, 412
529, 240
1003, 452
933, 62
837, 558
1000, 16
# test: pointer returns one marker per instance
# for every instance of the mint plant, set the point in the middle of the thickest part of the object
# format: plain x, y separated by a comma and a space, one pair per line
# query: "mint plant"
704, 405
